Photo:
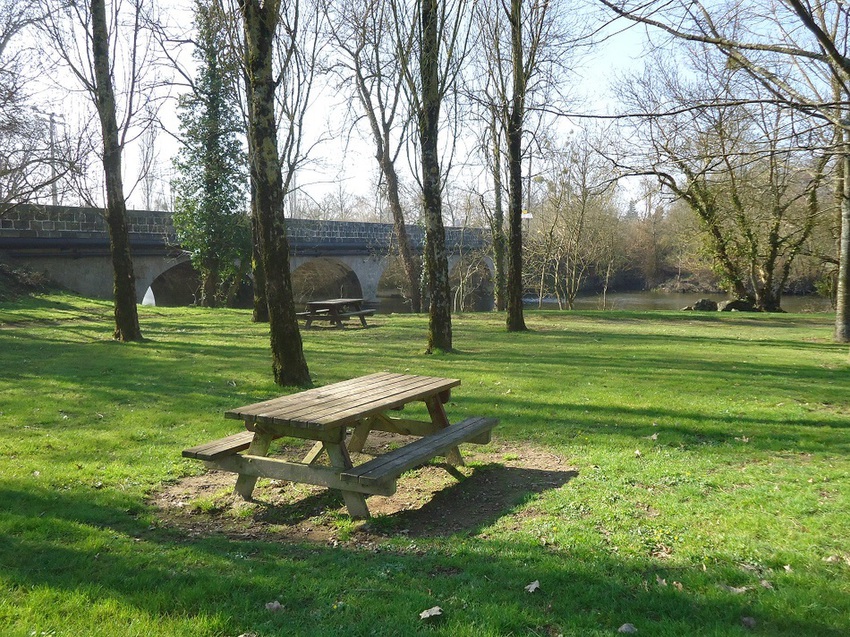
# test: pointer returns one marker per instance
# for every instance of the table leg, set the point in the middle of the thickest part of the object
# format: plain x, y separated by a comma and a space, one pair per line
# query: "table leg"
259, 447
355, 502
441, 420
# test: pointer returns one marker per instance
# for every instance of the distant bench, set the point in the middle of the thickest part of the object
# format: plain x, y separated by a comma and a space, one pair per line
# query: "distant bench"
335, 311
324, 315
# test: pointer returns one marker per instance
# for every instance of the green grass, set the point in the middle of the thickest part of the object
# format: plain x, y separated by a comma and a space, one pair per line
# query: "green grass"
737, 505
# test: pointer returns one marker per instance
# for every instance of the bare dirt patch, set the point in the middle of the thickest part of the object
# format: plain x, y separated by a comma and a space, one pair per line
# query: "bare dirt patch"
434, 500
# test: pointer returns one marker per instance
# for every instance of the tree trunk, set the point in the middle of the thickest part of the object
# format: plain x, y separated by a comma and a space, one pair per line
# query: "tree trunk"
288, 363
124, 281
381, 135
209, 286
405, 251
436, 258
261, 306
515, 319
497, 224
842, 299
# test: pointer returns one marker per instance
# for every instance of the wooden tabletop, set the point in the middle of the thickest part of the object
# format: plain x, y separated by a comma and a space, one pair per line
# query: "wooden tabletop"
333, 302
343, 403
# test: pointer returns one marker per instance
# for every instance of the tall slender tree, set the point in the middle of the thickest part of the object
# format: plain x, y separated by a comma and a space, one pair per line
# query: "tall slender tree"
260, 24
210, 217
372, 50
440, 44
525, 50
66, 25
436, 257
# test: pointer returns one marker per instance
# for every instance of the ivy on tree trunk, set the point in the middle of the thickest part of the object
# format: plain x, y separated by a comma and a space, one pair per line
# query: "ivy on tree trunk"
436, 258
260, 23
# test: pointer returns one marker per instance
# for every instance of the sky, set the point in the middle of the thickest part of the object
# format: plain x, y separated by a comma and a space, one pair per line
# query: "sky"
350, 161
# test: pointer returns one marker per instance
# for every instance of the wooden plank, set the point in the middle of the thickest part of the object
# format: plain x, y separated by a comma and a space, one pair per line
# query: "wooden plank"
316, 395
370, 404
222, 447
249, 413
347, 396
262, 467
391, 465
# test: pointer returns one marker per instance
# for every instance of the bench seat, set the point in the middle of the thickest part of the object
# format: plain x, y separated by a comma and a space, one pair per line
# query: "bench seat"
389, 466
221, 447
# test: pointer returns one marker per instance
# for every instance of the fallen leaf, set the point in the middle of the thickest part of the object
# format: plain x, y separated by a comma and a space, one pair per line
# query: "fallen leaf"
678, 586
652, 437
274, 606
660, 580
628, 629
638, 454
736, 590
533, 586
788, 568
434, 611
766, 584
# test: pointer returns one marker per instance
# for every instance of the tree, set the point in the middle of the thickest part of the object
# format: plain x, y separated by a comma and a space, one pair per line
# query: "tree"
436, 257
260, 21
798, 51
737, 160
440, 44
524, 51
33, 156
209, 215
573, 233
373, 50
66, 26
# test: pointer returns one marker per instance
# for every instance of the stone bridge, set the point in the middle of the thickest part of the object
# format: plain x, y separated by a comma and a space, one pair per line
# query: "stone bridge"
328, 258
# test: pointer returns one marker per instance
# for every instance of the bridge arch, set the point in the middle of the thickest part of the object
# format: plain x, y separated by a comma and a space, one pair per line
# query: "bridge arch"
176, 285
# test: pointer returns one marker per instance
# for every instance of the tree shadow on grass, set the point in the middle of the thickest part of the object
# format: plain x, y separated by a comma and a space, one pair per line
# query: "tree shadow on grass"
90, 551
473, 503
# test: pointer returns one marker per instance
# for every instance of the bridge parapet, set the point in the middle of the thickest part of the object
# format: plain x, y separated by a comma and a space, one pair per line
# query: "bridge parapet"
308, 236
72, 222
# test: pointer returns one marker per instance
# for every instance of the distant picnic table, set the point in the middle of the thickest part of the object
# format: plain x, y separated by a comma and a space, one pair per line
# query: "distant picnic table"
336, 311
325, 414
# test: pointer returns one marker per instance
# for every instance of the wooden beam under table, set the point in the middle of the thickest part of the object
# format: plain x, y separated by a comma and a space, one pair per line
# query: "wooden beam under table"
262, 467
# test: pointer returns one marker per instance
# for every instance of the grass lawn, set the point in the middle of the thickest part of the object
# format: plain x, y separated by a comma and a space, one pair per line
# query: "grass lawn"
711, 493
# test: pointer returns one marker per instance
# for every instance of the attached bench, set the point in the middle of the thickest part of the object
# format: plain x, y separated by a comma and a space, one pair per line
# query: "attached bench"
220, 448
388, 467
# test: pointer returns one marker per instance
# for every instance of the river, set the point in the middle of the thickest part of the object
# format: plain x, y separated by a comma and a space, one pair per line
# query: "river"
640, 301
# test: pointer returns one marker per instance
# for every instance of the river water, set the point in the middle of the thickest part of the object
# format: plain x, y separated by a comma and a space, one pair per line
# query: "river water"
639, 301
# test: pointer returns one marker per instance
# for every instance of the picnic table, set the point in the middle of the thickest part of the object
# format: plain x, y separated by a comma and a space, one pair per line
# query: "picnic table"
335, 311
325, 415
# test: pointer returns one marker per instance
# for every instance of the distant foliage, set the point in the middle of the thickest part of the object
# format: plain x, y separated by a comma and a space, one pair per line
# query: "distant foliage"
210, 215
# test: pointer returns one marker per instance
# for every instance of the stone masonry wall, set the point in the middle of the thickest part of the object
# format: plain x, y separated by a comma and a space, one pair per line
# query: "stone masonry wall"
58, 222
